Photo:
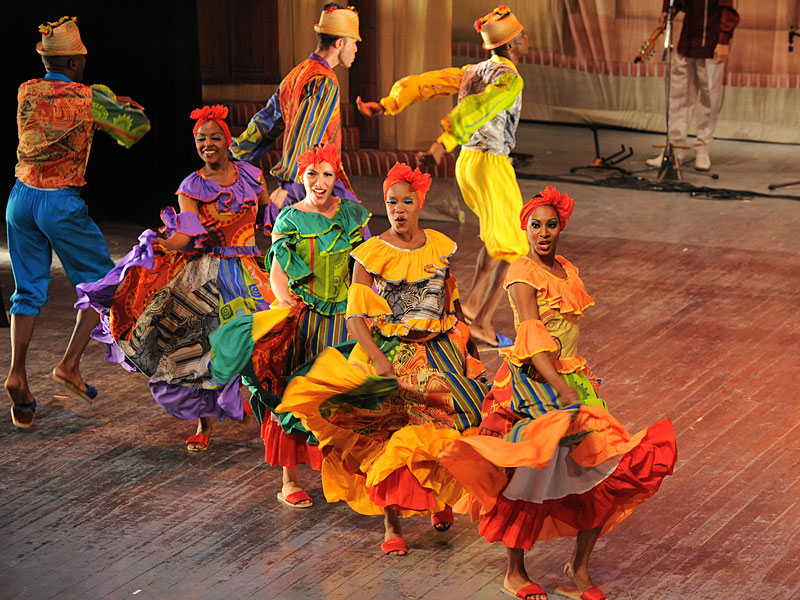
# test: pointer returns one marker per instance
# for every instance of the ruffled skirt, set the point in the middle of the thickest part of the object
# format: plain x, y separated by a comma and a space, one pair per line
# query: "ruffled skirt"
382, 436
158, 309
551, 473
267, 350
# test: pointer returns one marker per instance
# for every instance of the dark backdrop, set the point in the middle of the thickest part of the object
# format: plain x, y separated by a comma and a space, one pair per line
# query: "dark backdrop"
147, 50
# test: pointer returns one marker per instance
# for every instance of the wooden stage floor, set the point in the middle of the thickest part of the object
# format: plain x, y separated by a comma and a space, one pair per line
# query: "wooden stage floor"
696, 319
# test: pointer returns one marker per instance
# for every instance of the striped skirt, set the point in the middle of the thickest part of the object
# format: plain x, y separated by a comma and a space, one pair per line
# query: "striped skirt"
304, 335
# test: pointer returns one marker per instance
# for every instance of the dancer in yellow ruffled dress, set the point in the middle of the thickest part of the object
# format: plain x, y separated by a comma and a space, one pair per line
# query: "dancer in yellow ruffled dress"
382, 435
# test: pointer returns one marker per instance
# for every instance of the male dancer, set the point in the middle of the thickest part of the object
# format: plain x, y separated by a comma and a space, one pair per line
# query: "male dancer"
56, 119
698, 68
484, 122
305, 108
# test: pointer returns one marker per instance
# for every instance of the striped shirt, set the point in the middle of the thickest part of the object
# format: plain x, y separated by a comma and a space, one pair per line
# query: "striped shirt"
305, 108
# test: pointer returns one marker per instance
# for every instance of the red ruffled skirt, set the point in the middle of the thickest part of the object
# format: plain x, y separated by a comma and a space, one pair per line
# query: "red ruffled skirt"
288, 450
612, 473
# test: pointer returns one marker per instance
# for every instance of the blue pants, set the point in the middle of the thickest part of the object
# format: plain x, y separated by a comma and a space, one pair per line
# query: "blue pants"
40, 221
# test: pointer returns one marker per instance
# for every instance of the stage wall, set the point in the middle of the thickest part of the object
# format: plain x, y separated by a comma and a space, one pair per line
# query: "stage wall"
580, 69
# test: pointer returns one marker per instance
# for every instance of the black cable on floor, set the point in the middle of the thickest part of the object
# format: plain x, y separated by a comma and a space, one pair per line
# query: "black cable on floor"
634, 182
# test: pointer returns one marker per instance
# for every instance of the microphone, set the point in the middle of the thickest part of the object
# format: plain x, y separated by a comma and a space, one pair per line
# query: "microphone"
792, 33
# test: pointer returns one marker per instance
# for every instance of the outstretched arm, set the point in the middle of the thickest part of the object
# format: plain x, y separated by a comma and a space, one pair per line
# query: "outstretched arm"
264, 128
525, 300
415, 88
119, 116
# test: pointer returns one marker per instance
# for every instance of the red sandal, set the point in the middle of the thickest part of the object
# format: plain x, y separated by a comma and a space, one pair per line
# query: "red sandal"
198, 438
294, 499
397, 544
528, 590
442, 520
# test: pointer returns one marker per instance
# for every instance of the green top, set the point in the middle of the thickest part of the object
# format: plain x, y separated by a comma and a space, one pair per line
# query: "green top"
314, 252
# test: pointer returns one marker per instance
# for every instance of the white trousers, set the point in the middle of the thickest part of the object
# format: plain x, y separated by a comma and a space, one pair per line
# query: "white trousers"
694, 79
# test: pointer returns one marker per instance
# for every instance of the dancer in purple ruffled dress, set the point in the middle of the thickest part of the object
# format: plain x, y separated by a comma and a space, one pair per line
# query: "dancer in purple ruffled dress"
162, 301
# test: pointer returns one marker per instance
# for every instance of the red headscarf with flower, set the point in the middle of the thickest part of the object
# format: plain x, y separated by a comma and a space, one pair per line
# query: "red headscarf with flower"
421, 182
216, 113
549, 197
323, 152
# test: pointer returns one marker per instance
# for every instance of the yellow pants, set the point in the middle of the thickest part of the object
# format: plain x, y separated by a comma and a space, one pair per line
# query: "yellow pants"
490, 189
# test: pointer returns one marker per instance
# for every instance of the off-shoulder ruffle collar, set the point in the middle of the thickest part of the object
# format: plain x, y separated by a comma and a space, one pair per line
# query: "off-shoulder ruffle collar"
567, 295
229, 198
395, 265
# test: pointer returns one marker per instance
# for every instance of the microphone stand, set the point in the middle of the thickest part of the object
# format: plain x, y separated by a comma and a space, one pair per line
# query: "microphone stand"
669, 168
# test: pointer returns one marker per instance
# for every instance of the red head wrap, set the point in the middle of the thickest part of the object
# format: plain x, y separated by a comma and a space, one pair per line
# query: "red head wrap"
421, 182
323, 153
215, 113
549, 197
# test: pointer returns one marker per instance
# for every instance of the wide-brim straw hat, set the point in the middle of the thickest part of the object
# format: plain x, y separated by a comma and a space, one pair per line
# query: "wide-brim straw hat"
499, 27
340, 22
61, 38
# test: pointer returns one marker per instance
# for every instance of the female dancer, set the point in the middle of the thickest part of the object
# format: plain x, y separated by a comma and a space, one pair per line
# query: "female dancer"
309, 273
162, 301
577, 471
383, 441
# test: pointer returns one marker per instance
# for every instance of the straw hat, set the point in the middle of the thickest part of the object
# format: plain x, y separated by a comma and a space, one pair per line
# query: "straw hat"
498, 27
61, 38
338, 21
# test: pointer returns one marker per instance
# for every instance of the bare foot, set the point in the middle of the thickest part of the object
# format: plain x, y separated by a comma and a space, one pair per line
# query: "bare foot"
203, 426
18, 391
391, 525
291, 484
484, 335
71, 375
581, 577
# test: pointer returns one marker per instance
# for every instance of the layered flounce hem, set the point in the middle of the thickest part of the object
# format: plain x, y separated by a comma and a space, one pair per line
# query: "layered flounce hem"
100, 294
386, 469
567, 296
639, 474
288, 450
480, 462
404, 475
397, 265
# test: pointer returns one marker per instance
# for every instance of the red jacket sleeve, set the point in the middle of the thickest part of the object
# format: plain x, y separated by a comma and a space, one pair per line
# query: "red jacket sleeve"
729, 21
